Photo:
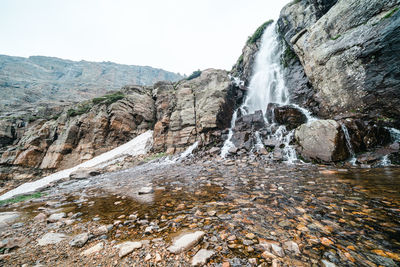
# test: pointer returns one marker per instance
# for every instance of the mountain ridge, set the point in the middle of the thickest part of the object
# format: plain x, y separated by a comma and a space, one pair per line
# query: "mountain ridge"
41, 81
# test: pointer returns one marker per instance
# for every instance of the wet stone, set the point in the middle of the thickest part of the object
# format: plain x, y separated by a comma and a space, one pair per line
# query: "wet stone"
186, 241
94, 249
146, 190
40, 217
202, 256
51, 238
127, 247
56, 217
79, 240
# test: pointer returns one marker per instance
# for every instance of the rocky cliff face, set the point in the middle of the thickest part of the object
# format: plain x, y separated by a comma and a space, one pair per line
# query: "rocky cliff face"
180, 113
194, 110
350, 54
71, 139
38, 82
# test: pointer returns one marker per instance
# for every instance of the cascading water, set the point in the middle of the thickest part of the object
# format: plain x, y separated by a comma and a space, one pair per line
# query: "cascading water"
266, 86
348, 144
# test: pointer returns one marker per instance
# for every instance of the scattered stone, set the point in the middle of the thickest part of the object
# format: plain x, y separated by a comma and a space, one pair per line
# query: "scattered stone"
102, 230
146, 190
56, 217
16, 242
51, 238
292, 247
250, 236
326, 241
17, 225
326, 263
83, 173
94, 249
7, 218
268, 255
158, 257
132, 217
211, 213
127, 247
232, 238
40, 217
202, 257
277, 250
148, 257
185, 241
69, 222
79, 240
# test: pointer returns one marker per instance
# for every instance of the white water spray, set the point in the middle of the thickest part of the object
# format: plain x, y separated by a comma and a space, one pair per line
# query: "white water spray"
395, 134
267, 86
187, 152
348, 144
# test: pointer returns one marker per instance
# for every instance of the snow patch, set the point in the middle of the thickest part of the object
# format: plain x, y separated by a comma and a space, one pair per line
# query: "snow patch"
138, 146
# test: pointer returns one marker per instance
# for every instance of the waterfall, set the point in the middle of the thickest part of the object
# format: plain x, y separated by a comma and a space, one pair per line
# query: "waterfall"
395, 134
348, 144
266, 86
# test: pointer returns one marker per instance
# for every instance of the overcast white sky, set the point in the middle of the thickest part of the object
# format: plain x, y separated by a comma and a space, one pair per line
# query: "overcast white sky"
176, 35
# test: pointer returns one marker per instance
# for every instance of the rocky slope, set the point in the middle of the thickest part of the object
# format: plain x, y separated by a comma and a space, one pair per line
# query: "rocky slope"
181, 113
38, 82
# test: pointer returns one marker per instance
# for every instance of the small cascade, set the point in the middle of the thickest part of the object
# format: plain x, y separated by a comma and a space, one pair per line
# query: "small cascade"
266, 87
395, 134
348, 144
186, 153
385, 161
228, 143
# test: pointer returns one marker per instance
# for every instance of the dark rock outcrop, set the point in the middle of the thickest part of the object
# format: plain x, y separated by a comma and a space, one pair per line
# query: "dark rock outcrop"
7, 133
289, 116
350, 54
365, 134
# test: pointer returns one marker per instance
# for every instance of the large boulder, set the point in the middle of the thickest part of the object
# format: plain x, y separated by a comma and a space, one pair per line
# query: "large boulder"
322, 141
289, 116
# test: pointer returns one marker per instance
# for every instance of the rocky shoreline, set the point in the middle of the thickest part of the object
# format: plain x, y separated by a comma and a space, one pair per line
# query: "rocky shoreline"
225, 213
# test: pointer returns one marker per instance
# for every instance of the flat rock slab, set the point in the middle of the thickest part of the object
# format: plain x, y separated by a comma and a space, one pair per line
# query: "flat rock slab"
96, 248
202, 257
56, 217
185, 241
7, 218
51, 238
146, 190
127, 247
79, 240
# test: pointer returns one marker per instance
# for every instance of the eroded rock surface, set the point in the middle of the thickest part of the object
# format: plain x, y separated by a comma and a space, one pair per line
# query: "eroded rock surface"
348, 54
193, 110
